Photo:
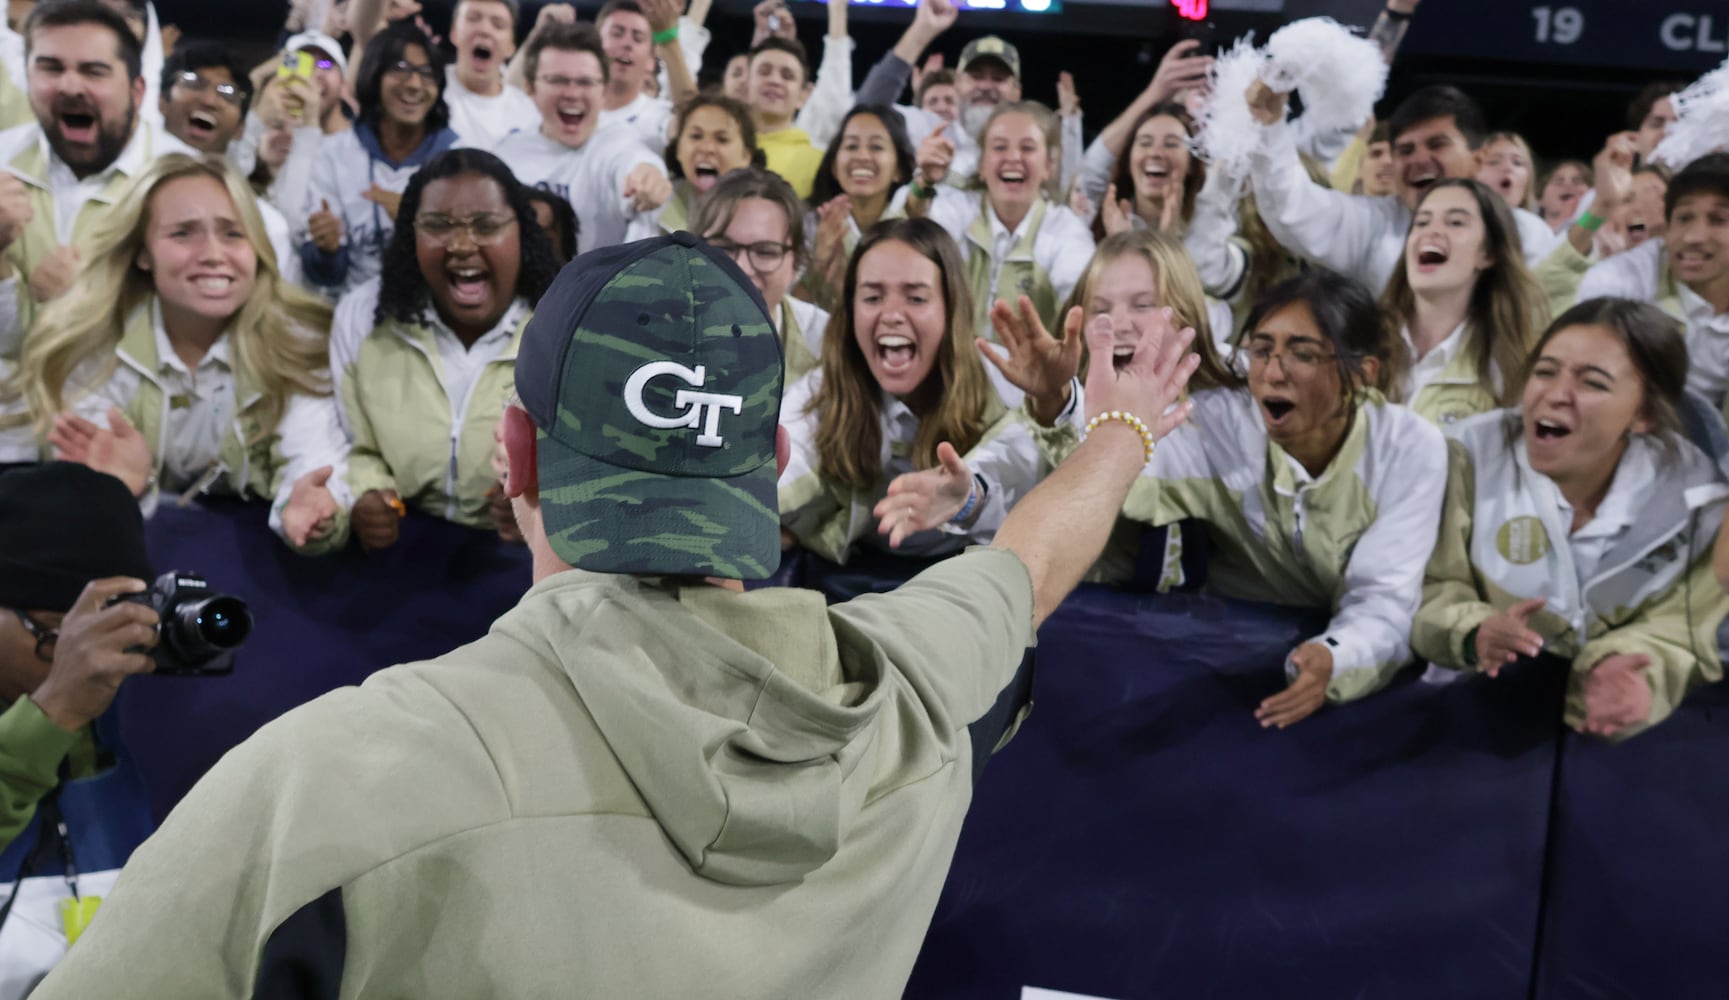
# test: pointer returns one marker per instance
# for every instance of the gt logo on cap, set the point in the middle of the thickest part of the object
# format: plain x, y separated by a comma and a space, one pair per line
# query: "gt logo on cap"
692, 404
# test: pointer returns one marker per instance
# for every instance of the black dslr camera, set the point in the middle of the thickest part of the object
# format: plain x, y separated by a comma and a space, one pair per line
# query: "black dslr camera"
200, 629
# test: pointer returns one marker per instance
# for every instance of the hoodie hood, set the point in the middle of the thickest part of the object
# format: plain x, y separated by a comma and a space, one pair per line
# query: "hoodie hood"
727, 711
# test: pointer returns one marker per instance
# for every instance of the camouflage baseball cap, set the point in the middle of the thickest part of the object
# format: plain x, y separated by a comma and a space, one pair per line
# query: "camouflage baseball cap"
654, 375
991, 47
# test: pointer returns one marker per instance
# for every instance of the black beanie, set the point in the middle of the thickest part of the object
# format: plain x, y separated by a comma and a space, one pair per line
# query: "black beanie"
62, 525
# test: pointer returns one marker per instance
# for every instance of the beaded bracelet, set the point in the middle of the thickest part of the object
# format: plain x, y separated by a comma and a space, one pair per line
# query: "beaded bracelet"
974, 495
1127, 418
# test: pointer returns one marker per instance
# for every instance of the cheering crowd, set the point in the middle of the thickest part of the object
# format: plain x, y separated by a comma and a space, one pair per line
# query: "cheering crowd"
1464, 400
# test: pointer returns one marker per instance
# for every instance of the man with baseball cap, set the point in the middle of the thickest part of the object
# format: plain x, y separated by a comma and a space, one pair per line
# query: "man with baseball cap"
645, 781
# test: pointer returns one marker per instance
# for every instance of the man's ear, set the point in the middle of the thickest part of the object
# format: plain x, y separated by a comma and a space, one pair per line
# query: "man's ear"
782, 450
1371, 373
138, 91
523, 479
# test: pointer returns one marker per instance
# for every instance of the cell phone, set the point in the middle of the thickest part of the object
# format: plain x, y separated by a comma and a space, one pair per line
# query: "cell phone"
299, 64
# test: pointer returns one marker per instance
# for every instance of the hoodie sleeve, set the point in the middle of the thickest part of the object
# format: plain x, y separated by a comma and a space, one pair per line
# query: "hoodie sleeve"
1677, 630
1370, 633
308, 437
955, 633
1222, 264
832, 96
1312, 221
816, 512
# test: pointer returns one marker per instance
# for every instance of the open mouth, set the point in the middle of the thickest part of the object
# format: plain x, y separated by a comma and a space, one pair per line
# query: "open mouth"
1277, 409
213, 284
862, 175
704, 176
78, 127
1012, 175
201, 124
482, 53
1430, 258
572, 118
1549, 430
468, 286
1637, 233
1121, 355
1156, 174
895, 353
1422, 181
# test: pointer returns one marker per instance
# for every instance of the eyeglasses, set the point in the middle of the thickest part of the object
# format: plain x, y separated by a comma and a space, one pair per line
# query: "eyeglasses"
403, 67
569, 82
763, 257
45, 637
198, 85
1296, 359
484, 230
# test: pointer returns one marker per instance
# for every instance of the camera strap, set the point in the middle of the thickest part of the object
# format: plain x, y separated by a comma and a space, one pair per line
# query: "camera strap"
52, 834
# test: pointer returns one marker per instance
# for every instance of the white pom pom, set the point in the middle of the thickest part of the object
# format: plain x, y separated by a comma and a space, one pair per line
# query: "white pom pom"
1701, 120
1229, 132
1340, 75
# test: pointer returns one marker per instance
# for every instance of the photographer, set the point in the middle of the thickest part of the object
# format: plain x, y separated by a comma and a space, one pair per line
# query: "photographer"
70, 540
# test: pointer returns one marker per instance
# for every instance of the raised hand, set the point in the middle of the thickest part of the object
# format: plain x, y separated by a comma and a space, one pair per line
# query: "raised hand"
933, 64
936, 16
311, 508
1504, 637
555, 13
935, 154
55, 274
646, 187
1068, 102
1617, 694
377, 519
1181, 69
929, 498
1037, 363
1118, 213
118, 450
1266, 104
325, 229
1151, 381
1307, 691
15, 209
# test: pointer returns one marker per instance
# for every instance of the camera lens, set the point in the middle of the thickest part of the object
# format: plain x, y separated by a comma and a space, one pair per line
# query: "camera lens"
198, 630
223, 622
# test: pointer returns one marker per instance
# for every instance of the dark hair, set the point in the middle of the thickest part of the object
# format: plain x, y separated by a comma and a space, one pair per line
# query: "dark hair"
402, 291
68, 13
1431, 103
515, 11
732, 108
791, 46
1381, 133
717, 207
1709, 174
1123, 177
935, 78
1648, 98
563, 219
612, 7
825, 186
384, 51
1343, 309
1654, 342
207, 55
563, 37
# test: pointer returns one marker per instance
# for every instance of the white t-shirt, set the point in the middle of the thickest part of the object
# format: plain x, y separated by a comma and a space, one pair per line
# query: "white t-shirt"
591, 177
480, 121
646, 117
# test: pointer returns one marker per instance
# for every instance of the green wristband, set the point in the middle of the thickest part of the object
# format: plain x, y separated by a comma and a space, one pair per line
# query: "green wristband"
666, 37
1589, 222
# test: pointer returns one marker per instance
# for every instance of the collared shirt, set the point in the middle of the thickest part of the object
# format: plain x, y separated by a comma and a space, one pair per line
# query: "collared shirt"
463, 365
1429, 367
200, 407
1614, 515
1707, 344
71, 194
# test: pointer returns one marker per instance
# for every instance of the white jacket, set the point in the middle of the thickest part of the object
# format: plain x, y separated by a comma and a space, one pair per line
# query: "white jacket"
1642, 273
1359, 236
1354, 540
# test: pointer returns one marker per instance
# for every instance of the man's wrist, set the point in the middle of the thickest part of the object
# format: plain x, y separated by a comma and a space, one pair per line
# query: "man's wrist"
55, 711
666, 36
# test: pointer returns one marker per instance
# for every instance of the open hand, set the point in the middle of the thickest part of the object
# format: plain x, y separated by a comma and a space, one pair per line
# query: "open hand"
118, 449
1504, 636
311, 508
1307, 691
929, 498
1037, 363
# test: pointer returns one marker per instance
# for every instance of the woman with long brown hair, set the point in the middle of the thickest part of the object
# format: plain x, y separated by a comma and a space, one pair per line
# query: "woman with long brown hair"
899, 433
1464, 306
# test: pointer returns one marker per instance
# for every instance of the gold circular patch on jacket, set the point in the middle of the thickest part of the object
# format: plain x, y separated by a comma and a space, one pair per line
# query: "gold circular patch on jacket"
1522, 540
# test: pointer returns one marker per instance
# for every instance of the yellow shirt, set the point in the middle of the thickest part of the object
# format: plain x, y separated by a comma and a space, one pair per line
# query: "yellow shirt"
790, 154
